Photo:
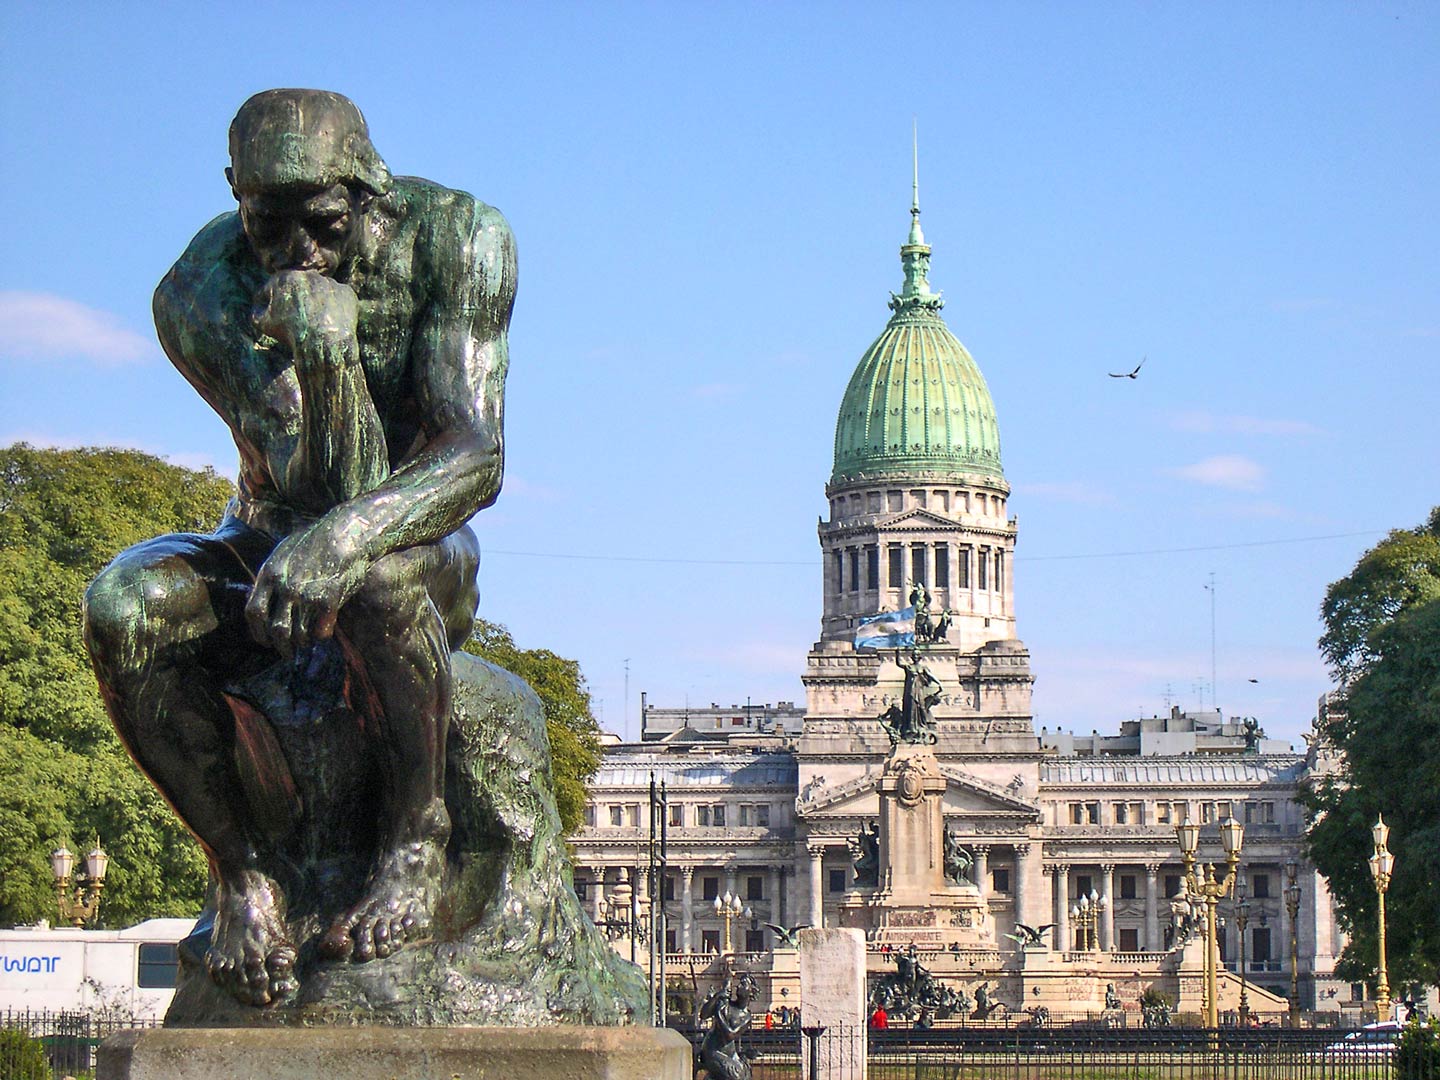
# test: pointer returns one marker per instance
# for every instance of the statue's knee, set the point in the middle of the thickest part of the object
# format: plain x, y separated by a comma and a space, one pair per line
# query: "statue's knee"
132, 605
393, 583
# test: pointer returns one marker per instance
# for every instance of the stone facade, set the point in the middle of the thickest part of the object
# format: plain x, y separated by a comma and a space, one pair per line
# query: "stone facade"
771, 812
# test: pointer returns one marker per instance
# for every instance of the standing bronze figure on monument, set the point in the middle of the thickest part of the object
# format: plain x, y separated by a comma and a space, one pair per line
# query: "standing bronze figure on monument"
377, 812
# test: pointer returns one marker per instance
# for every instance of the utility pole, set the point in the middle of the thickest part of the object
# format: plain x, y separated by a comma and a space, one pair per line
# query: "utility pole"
625, 706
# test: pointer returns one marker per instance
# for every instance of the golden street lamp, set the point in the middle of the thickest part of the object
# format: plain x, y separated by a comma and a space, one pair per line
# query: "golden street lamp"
1085, 916
78, 901
1292, 905
1209, 889
730, 908
1382, 865
1242, 918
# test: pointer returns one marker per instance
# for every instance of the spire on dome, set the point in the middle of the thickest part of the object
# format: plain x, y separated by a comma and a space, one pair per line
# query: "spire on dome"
915, 253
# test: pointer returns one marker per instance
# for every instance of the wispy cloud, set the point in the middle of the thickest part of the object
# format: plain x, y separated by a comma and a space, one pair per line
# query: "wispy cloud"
1074, 492
43, 326
1223, 471
1200, 421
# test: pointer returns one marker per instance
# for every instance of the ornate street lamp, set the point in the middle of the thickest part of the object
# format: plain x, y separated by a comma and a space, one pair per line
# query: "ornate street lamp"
79, 901
1242, 918
1209, 889
1085, 916
1292, 905
729, 908
1382, 865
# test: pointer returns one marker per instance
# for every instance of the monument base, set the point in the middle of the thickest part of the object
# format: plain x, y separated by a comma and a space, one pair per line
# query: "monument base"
373, 1053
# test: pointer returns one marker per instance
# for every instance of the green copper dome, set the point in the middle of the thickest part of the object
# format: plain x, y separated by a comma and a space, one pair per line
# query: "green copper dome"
917, 403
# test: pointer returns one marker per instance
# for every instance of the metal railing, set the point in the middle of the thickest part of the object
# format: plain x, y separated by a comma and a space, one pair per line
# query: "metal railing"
65, 1041
1078, 1052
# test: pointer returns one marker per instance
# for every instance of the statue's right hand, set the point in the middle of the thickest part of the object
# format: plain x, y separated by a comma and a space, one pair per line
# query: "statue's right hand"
314, 317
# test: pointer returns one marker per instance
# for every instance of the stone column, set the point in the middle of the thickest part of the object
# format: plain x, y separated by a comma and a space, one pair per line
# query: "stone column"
1153, 942
597, 901
687, 908
1020, 883
776, 915
732, 886
982, 869
1062, 907
817, 897
1107, 917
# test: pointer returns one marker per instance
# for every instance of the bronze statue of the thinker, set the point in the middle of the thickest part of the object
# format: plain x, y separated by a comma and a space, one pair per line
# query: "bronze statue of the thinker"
288, 682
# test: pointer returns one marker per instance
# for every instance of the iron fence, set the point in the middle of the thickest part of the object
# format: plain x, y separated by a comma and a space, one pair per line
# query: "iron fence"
1072, 1053
63, 1042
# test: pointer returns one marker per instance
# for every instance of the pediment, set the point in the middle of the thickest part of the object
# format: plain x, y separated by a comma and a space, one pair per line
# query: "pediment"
964, 795
918, 518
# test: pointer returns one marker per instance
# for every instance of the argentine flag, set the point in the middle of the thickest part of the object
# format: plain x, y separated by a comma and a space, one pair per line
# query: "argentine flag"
887, 630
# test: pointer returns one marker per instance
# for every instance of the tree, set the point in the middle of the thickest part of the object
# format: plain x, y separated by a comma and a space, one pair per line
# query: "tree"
574, 734
1382, 640
63, 515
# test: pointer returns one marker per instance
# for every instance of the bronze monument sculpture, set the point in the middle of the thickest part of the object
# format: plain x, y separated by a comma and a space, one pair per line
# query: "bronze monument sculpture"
913, 720
376, 808
728, 1010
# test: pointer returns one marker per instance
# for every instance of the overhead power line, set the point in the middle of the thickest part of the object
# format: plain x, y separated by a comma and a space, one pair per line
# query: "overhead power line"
1019, 558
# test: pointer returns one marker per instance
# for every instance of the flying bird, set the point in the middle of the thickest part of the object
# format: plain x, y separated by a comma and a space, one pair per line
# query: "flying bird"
1030, 935
1129, 374
787, 934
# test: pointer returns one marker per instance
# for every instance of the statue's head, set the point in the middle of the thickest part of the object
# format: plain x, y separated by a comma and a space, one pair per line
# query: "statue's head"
745, 990
303, 170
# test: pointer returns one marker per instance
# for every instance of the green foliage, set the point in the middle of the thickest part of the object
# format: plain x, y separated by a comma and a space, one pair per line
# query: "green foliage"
63, 515
574, 734
1383, 636
21, 1057
1418, 1055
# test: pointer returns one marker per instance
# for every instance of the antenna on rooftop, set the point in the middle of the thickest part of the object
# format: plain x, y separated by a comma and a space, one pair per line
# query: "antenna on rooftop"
1214, 696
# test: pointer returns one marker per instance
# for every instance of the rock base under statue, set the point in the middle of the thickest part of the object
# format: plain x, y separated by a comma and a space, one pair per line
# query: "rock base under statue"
510, 946
369, 1053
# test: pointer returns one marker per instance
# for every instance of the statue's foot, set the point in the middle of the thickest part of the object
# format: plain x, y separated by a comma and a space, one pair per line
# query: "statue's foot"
399, 898
250, 954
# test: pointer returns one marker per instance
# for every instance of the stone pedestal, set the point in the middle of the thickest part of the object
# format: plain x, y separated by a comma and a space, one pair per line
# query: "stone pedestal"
832, 996
373, 1053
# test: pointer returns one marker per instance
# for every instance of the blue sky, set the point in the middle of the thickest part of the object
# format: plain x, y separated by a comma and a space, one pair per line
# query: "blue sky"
709, 201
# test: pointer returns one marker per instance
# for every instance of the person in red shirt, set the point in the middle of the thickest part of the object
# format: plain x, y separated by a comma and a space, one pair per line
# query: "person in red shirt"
879, 1021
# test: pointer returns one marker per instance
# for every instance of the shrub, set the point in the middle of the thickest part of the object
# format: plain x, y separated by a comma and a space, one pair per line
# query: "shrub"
1418, 1055
21, 1057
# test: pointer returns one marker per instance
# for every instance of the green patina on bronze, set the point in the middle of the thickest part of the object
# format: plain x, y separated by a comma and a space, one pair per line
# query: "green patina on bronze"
378, 814
917, 405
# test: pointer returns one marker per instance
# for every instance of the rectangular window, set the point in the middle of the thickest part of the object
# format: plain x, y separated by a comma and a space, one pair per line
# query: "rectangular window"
617, 816
872, 567
1172, 886
942, 500
1260, 943
159, 966
897, 566
717, 815
632, 816
1127, 886
762, 815
709, 888
942, 566
1222, 811
1260, 883
710, 941
962, 568
1000, 879
1250, 813
1092, 813
582, 890
1162, 813
836, 881
1077, 813
1267, 813
672, 941
1207, 813
917, 564
895, 501
667, 887
590, 814
1122, 814
755, 888
1129, 939
854, 570
918, 499
999, 571
744, 813
983, 564
1084, 885
702, 816
872, 502
838, 558
755, 941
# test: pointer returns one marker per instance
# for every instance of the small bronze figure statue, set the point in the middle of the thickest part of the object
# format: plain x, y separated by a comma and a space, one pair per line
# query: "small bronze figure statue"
288, 681
912, 721
866, 848
957, 859
1112, 999
728, 1010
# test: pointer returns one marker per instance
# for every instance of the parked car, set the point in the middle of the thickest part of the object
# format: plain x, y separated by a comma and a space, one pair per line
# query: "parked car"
1371, 1041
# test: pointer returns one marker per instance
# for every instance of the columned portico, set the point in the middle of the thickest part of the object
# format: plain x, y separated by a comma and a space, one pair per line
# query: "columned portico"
1062, 907
817, 894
